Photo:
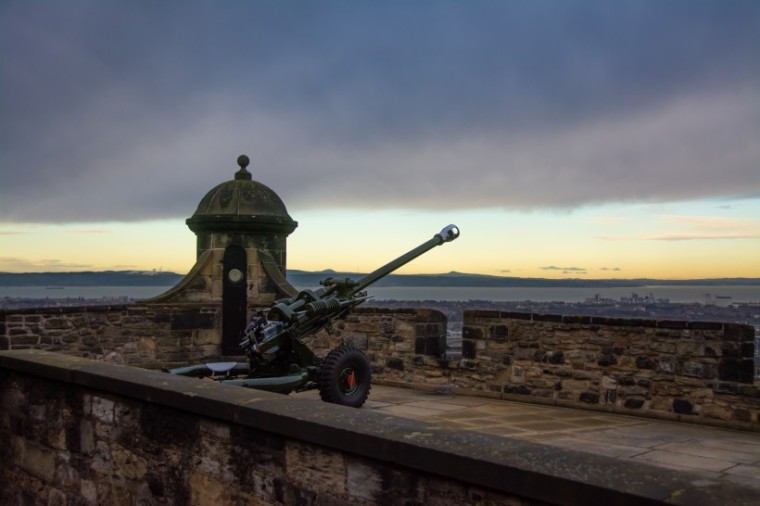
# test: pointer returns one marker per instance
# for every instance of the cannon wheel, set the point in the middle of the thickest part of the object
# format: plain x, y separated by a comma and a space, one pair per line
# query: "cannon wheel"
345, 377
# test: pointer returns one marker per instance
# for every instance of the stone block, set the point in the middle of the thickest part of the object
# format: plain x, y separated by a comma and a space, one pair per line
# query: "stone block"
683, 407
468, 348
599, 341
690, 349
86, 437
88, 492
205, 490
128, 464
517, 389
672, 324
698, 370
58, 324
626, 381
734, 369
660, 347
661, 404
434, 346
556, 318
574, 385
395, 363
717, 411
359, 340
192, 321
34, 459
667, 364
710, 351
103, 409
585, 375
207, 336
315, 468
738, 332
364, 481
589, 397
731, 349
516, 374
469, 332
168, 426
666, 389
498, 332
743, 415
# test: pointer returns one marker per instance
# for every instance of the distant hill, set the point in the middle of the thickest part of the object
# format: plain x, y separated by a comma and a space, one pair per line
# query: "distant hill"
308, 279
458, 279
90, 278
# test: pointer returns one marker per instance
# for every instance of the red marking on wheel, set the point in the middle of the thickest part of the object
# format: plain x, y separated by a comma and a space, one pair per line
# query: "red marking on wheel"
351, 380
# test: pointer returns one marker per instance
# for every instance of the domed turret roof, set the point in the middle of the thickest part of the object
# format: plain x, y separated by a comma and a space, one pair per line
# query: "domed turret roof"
241, 204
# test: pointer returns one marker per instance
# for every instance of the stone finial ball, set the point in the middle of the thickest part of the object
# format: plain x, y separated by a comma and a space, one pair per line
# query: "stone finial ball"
243, 161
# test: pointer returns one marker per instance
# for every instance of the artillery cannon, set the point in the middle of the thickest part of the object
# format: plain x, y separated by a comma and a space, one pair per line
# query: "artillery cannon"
280, 361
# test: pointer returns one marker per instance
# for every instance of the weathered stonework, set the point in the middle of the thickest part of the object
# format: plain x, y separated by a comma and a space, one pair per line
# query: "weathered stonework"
694, 371
76, 431
156, 335
670, 369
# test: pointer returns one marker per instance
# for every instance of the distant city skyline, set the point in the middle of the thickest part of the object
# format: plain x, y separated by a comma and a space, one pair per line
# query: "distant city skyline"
586, 139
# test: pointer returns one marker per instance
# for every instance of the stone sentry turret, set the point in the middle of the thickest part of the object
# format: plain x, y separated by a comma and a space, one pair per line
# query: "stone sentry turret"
241, 250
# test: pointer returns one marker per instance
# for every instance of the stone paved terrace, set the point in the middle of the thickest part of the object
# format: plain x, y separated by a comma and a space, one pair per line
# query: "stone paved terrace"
714, 453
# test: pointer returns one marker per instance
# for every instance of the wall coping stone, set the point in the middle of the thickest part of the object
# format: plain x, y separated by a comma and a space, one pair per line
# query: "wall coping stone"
741, 331
65, 309
137, 306
531, 470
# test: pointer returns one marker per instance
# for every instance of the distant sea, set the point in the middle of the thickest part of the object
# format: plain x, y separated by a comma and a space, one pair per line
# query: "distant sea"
682, 294
87, 292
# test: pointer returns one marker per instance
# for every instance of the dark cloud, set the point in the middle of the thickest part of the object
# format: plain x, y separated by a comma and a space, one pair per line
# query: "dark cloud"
563, 269
13, 264
133, 110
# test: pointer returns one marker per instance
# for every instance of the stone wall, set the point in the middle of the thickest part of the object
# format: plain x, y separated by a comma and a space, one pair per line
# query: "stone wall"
691, 371
388, 334
79, 432
149, 335
694, 369
688, 371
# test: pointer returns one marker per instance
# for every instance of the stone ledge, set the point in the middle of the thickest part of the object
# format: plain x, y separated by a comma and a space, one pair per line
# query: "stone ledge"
534, 471
66, 309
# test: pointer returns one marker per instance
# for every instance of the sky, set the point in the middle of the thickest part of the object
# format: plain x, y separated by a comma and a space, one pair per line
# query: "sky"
566, 139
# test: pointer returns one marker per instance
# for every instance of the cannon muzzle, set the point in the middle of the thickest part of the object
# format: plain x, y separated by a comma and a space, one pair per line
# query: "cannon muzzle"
447, 234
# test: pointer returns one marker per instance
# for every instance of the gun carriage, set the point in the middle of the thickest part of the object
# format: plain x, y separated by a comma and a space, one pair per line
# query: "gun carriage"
279, 360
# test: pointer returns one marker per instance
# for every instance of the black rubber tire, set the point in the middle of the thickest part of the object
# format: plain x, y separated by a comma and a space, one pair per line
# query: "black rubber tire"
345, 377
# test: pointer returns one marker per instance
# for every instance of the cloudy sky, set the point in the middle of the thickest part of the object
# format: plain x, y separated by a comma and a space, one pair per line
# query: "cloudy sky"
566, 139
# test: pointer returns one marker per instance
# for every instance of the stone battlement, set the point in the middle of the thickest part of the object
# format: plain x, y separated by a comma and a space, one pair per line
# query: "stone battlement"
699, 372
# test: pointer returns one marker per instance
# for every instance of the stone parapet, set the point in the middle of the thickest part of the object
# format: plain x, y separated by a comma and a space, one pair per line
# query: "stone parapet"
76, 431
690, 371
148, 335
698, 372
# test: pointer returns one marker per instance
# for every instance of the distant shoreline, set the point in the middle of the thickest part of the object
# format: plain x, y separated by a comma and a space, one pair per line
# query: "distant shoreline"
722, 295
312, 279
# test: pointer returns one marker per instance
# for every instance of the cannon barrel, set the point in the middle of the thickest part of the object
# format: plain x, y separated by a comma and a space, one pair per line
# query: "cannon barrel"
312, 309
448, 234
